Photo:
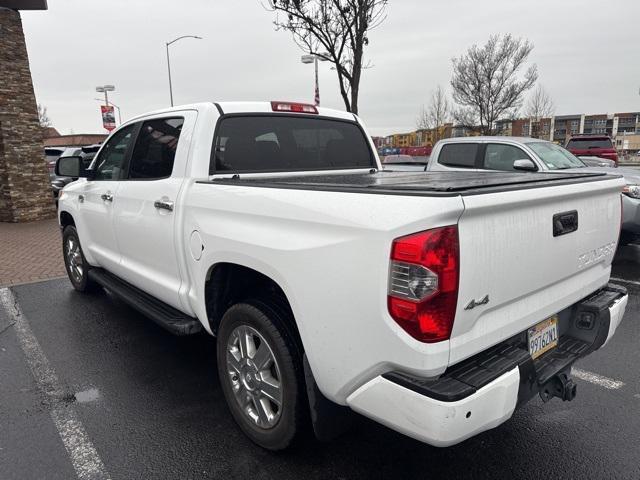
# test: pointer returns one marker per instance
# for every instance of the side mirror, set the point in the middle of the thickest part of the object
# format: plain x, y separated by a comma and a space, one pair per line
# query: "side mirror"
70, 167
525, 165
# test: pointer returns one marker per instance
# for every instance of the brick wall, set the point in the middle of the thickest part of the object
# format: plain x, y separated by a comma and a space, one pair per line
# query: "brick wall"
25, 192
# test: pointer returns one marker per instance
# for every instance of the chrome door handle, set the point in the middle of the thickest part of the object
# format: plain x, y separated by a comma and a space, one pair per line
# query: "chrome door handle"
107, 197
164, 204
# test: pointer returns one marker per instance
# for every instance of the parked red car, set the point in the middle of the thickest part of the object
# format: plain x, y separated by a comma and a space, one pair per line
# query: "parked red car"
592, 145
416, 151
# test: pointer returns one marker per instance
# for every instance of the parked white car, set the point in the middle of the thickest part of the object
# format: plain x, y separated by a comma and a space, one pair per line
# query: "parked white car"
509, 154
433, 303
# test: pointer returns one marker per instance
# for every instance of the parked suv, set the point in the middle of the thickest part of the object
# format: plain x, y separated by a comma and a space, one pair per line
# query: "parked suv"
592, 145
85, 153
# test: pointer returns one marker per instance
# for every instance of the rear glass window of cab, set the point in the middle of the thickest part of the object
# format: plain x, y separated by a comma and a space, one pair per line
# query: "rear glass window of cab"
288, 143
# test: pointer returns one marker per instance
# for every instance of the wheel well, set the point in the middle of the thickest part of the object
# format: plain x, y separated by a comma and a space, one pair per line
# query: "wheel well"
229, 283
66, 219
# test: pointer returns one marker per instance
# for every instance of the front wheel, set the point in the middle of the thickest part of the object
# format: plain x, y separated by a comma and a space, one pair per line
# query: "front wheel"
74, 261
260, 372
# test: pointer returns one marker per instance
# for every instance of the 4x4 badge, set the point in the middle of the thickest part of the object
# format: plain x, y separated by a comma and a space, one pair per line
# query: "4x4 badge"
473, 304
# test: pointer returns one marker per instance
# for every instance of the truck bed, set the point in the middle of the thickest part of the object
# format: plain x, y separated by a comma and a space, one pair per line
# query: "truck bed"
415, 183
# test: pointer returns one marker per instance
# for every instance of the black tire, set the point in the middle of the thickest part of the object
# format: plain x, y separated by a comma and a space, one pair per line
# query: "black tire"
269, 322
81, 282
624, 240
627, 238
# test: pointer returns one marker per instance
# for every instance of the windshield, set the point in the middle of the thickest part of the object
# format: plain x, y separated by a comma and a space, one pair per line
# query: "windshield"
554, 156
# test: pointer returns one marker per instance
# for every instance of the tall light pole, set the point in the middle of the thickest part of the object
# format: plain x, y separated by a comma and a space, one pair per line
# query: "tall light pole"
113, 105
105, 89
314, 59
169, 63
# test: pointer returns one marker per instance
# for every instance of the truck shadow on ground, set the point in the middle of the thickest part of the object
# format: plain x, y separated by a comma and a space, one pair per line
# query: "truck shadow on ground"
626, 263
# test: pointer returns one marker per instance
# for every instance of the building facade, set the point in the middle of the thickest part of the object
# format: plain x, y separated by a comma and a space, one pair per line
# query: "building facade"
25, 191
558, 129
628, 143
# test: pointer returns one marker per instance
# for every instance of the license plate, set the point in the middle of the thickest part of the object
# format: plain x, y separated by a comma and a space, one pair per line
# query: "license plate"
543, 337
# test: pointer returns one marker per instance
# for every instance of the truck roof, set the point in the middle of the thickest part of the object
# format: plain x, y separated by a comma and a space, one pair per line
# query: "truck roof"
246, 107
495, 138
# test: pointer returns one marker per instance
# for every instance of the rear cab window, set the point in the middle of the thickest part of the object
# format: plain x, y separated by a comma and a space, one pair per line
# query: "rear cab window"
587, 143
459, 155
271, 143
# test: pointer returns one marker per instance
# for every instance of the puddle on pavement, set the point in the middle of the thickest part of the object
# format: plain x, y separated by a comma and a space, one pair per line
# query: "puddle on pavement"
86, 396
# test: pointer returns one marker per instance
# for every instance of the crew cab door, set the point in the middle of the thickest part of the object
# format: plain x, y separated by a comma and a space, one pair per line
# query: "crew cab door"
99, 198
145, 220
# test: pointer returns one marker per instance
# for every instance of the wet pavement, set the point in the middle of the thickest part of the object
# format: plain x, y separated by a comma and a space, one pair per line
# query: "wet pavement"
150, 406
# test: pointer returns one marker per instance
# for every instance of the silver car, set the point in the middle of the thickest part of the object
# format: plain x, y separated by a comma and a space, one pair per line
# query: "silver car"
591, 161
530, 154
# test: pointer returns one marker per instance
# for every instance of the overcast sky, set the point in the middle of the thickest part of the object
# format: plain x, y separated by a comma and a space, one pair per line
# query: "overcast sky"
587, 55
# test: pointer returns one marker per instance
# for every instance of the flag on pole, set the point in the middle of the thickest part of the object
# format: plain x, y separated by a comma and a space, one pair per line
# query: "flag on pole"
108, 117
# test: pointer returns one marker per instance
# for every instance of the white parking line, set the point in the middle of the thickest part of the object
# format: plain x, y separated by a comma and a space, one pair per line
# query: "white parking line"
82, 453
622, 280
596, 379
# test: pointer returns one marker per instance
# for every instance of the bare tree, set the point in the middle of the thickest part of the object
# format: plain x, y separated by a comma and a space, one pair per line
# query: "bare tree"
540, 105
438, 111
335, 30
423, 121
486, 84
43, 118
436, 114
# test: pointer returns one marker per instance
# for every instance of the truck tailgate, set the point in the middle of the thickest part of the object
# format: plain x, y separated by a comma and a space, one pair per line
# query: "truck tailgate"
515, 271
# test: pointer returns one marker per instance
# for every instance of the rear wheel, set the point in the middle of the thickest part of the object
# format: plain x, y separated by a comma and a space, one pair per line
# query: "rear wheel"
260, 372
627, 238
74, 261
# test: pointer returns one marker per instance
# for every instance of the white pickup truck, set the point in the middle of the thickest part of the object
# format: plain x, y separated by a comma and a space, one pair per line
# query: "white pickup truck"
434, 303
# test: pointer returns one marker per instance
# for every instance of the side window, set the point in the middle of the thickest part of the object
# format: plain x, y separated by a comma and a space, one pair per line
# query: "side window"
155, 148
458, 155
501, 157
109, 164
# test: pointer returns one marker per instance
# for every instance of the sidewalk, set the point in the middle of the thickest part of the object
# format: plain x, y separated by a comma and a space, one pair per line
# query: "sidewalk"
30, 252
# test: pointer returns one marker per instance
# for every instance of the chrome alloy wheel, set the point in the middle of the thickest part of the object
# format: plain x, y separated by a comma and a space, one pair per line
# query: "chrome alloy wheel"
74, 259
255, 376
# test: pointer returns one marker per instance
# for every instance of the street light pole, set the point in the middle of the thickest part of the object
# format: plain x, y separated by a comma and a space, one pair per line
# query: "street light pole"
105, 89
314, 59
169, 62
317, 96
169, 72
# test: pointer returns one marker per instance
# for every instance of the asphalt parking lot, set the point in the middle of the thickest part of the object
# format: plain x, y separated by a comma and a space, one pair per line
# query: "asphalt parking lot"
92, 389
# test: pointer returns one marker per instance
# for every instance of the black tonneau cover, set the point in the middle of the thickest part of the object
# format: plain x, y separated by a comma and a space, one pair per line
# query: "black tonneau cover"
416, 183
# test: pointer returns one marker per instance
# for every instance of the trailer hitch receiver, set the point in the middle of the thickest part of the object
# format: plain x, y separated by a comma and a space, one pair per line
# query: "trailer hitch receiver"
560, 386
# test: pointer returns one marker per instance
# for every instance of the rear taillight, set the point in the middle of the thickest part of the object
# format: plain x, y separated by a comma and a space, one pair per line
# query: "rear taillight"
620, 229
293, 107
423, 283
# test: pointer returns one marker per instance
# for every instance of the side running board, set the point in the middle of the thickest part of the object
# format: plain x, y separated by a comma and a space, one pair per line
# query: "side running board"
164, 315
